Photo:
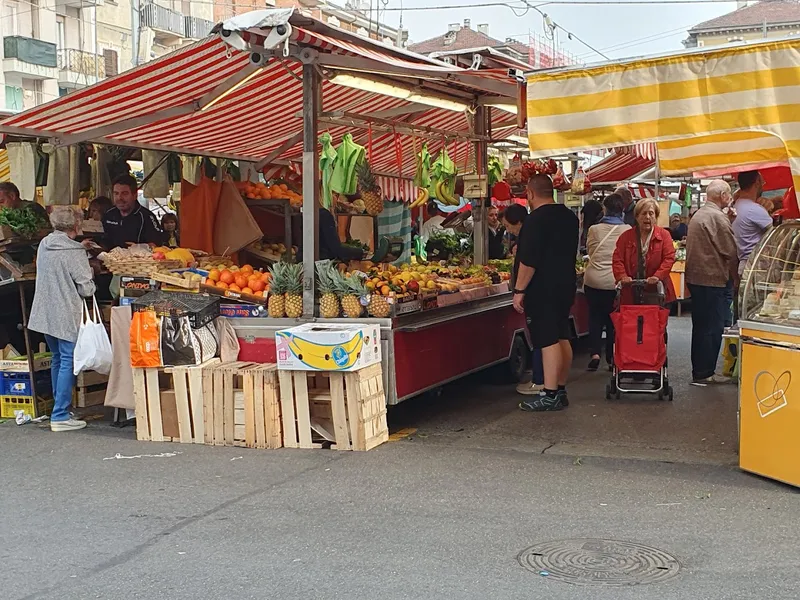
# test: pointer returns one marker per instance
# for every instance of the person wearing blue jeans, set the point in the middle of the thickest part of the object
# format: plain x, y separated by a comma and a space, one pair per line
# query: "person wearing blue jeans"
63, 279
62, 377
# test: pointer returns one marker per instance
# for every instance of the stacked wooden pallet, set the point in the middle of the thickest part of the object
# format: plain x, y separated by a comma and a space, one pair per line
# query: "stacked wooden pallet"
347, 409
221, 404
90, 389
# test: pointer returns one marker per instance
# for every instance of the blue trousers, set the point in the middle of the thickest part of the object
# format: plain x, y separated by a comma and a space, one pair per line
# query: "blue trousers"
710, 309
62, 376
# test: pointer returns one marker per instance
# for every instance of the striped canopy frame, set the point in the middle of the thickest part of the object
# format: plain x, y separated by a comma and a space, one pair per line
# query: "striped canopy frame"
706, 111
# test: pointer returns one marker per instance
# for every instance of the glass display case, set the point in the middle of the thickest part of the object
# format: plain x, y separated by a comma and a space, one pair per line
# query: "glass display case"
770, 288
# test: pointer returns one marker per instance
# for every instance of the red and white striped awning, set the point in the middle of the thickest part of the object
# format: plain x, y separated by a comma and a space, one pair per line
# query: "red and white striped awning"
207, 99
619, 166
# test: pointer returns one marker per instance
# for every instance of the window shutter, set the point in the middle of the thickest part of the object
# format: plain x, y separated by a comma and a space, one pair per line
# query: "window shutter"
111, 63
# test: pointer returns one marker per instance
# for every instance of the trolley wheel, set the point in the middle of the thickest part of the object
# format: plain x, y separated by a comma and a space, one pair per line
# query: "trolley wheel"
518, 359
671, 394
608, 391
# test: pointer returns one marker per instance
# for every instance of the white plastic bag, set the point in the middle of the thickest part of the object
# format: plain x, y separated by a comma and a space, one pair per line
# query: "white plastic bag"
93, 348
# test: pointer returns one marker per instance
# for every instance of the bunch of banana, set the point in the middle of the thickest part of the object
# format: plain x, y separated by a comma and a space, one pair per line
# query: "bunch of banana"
422, 198
443, 194
325, 357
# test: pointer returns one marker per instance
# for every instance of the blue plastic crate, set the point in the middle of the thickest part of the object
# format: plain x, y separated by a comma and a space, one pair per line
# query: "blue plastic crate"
19, 384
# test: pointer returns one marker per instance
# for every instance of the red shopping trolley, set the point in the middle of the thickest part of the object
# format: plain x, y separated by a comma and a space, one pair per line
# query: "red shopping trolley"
640, 343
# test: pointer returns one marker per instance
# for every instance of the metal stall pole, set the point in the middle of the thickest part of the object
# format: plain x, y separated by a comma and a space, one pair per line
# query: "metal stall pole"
29, 351
480, 227
312, 105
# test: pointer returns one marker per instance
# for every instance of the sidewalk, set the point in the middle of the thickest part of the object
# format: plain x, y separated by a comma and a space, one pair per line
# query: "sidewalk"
700, 426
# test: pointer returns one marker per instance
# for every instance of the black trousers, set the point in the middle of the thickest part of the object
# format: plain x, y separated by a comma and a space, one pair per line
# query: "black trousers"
601, 305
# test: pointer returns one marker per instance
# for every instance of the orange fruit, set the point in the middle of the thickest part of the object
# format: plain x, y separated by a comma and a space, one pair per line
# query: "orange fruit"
266, 277
240, 281
259, 294
226, 277
222, 285
247, 290
385, 290
213, 275
234, 288
247, 269
257, 285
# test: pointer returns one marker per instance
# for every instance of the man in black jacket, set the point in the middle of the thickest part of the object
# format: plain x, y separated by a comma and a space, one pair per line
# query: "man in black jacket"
129, 221
496, 234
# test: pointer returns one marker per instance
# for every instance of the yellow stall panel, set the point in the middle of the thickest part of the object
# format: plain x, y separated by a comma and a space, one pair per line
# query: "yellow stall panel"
769, 394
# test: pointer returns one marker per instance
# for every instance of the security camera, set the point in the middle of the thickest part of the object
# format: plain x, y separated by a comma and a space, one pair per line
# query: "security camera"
258, 59
277, 35
233, 39
517, 74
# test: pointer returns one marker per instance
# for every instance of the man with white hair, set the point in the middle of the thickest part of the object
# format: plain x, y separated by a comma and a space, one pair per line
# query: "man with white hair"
711, 264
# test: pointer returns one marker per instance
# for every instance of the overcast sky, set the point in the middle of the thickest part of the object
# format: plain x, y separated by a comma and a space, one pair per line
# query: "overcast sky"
619, 31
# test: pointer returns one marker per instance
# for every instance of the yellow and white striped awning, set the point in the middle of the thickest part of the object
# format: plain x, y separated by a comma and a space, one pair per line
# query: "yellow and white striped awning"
5, 166
707, 110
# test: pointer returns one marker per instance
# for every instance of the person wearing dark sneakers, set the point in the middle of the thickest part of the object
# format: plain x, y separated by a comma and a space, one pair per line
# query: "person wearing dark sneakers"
545, 289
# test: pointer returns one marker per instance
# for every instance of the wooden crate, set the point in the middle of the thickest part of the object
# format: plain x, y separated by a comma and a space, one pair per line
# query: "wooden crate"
348, 409
90, 389
169, 403
240, 405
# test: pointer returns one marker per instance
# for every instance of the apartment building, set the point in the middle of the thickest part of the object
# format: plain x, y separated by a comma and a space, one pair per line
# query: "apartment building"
357, 16
751, 21
51, 47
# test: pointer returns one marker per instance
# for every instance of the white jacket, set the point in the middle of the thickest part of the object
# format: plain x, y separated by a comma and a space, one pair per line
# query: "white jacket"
600, 244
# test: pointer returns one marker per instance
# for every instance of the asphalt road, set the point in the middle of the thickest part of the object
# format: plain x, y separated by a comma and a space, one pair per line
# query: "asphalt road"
407, 520
443, 512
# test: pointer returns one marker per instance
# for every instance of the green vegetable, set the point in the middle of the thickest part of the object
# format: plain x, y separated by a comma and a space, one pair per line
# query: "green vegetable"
25, 222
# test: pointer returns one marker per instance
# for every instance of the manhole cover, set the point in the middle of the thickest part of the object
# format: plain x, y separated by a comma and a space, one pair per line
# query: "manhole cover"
599, 562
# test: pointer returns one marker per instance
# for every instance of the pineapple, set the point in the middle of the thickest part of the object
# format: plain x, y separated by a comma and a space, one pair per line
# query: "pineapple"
369, 189
294, 290
328, 302
351, 290
276, 305
378, 307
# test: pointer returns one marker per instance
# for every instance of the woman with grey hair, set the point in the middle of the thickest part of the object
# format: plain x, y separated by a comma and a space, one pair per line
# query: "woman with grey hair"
63, 279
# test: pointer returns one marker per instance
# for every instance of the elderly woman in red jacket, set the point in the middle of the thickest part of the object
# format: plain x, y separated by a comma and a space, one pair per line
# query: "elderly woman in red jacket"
654, 242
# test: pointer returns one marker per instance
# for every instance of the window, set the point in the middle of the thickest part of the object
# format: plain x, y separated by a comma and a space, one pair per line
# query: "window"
61, 36
111, 61
10, 18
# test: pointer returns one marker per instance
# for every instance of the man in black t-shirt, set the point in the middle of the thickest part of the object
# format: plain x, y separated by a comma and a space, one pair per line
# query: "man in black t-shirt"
545, 288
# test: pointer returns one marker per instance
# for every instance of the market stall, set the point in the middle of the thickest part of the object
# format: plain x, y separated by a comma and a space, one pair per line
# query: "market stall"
706, 110
261, 89
770, 343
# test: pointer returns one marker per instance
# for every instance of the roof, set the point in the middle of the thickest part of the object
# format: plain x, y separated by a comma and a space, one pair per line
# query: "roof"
619, 166
465, 38
774, 12
210, 99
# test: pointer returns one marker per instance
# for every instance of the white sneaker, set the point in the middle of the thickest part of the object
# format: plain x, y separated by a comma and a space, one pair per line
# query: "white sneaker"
529, 388
68, 425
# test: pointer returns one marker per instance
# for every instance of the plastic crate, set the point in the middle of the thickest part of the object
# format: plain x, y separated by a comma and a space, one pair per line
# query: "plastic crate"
19, 384
201, 309
8, 404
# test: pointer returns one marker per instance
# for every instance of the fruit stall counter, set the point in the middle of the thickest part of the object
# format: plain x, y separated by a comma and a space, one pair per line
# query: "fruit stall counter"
425, 349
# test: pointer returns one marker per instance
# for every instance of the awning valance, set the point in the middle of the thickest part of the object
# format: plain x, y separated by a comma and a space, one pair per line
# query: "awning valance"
742, 100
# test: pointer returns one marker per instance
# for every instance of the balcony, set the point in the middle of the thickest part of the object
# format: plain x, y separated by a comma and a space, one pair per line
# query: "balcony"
77, 68
197, 28
168, 25
29, 58
83, 3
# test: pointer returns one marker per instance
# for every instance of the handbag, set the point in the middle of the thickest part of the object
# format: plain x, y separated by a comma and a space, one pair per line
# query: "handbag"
93, 348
